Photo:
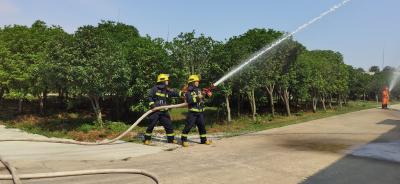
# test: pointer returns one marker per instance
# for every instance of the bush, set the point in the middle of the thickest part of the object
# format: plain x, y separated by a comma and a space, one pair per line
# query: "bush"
270, 117
117, 126
300, 113
86, 127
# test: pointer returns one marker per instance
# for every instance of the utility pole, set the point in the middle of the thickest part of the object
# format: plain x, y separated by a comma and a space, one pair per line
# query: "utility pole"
383, 58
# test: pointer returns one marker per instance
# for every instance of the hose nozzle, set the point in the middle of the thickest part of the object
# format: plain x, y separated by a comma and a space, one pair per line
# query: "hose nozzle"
209, 89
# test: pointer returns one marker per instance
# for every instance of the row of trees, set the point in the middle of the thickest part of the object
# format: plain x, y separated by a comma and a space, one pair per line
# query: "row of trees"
112, 62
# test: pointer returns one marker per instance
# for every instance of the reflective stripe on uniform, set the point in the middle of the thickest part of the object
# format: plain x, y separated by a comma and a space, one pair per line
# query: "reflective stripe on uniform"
163, 110
173, 134
203, 135
196, 110
195, 98
184, 135
161, 94
147, 134
151, 103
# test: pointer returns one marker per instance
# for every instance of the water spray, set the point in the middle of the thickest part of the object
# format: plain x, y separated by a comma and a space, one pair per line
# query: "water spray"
395, 79
264, 50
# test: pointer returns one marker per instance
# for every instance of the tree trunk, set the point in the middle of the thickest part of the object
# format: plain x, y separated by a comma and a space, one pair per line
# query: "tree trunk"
228, 108
287, 102
41, 105
60, 95
96, 108
330, 101
66, 94
238, 105
252, 103
340, 101
270, 90
66, 98
314, 104
20, 105
323, 102
45, 93
42, 102
1, 94
117, 109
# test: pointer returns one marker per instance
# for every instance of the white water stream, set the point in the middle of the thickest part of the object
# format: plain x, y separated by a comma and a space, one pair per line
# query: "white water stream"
276, 43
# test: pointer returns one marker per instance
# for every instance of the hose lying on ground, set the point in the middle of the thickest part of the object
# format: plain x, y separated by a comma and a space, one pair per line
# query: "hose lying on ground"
17, 177
14, 175
106, 141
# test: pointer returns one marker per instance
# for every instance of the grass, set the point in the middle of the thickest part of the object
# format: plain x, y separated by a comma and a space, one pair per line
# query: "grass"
82, 127
247, 125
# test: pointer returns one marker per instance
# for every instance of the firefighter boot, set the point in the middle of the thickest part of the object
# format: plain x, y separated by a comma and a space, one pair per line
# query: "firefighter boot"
171, 139
203, 140
185, 144
147, 142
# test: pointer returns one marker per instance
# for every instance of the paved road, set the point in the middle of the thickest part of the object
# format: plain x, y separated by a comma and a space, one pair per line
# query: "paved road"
316, 152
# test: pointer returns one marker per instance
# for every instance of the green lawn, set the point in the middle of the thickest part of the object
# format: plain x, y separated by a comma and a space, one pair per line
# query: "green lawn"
80, 127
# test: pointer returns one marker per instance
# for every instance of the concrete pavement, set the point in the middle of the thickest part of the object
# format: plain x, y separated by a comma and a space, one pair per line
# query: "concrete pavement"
313, 152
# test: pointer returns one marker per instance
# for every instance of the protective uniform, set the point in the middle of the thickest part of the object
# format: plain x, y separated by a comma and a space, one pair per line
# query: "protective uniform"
195, 99
158, 96
385, 98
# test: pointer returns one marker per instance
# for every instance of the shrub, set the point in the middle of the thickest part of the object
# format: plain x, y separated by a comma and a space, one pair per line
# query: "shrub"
86, 127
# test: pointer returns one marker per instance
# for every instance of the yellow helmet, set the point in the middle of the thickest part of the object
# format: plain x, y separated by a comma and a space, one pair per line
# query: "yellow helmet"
193, 78
162, 77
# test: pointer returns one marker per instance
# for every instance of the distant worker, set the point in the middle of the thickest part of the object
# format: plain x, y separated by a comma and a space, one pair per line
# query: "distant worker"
158, 96
195, 99
385, 98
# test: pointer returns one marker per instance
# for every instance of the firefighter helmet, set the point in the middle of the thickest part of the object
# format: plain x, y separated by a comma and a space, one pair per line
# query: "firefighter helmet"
193, 78
163, 77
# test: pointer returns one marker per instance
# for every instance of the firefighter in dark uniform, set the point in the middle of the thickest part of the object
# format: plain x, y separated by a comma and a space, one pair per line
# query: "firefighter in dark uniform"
158, 96
195, 99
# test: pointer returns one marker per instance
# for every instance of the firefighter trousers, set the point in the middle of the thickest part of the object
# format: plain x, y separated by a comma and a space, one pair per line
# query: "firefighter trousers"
164, 118
195, 118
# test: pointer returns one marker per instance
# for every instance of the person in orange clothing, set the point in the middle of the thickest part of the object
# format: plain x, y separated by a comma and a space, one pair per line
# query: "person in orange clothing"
385, 98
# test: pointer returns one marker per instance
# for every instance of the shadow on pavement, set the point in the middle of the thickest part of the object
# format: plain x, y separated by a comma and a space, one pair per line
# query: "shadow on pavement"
362, 170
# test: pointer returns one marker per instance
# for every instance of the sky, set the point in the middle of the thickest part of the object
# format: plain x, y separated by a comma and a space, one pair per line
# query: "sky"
364, 31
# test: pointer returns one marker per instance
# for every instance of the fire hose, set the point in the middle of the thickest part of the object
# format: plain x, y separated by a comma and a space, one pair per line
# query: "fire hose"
17, 178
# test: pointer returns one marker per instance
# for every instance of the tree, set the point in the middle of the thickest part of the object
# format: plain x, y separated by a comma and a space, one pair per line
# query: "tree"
122, 36
5, 69
379, 81
309, 72
323, 73
254, 76
358, 83
98, 68
275, 70
291, 51
374, 69
18, 41
193, 53
147, 58
41, 73
60, 54
220, 63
